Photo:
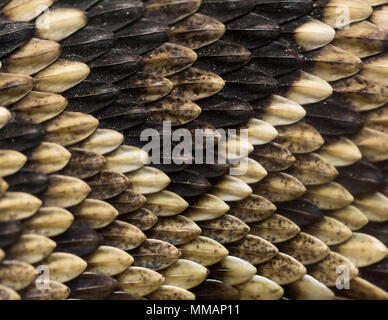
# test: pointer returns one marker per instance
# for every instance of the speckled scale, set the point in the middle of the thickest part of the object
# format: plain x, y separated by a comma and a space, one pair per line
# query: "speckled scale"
173, 109
175, 230
197, 31
142, 89
83, 164
273, 157
225, 229
128, 201
142, 218
155, 255
107, 184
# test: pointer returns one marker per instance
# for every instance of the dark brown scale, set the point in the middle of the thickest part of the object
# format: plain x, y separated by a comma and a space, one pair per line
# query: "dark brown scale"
91, 286
155, 255
142, 36
300, 211
13, 34
248, 84
9, 232
142, 218
282, 11
273, 157
331, 118
318, 8
222, 57
115, 65
276, 59
134, 136
78, 240
377, 274
361, 178
83, 164
215, 290
28, 181
210, 171
77, 4
21, 136
89, 96
383, 166
128, 201
172, 164
188, 183
221, 111
121, 116
113, 15
87, 44
171, 11
251, 31
3, 3
226, 10
107, 184
197, 31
